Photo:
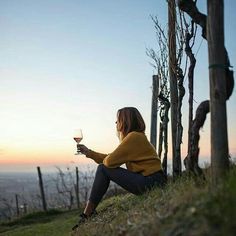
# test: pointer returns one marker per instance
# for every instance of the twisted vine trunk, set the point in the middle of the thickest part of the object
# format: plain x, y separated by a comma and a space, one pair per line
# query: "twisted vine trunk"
160, 137
191, 68
191, 161
220, 77
164, 131
179, 133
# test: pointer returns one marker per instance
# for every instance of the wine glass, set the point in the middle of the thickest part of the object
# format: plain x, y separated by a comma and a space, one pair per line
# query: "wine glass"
78, 136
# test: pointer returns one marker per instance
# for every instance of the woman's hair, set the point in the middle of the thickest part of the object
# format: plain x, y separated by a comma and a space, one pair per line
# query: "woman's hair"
129, 119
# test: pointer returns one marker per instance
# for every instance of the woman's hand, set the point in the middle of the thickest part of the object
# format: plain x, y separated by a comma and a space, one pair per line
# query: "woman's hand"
83, 149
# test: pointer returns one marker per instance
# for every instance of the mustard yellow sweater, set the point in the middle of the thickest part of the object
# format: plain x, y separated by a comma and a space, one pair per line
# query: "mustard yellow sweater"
135, 151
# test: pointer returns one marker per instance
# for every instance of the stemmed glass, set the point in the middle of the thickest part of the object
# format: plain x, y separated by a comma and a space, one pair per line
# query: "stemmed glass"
78, 136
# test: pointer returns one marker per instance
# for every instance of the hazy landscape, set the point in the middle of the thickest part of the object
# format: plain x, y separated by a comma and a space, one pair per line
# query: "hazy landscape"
26, 186
59, 188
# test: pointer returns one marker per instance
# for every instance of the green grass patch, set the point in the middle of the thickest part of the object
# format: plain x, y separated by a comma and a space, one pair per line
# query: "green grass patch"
33, 218
53, 223
184, 207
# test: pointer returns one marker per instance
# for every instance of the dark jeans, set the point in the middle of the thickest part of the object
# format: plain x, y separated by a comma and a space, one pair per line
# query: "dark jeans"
132, 182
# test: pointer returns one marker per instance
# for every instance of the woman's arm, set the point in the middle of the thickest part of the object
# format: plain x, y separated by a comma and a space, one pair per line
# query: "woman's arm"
96, 156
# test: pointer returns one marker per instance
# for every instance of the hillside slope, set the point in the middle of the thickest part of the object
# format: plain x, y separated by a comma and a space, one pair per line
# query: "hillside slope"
185, 207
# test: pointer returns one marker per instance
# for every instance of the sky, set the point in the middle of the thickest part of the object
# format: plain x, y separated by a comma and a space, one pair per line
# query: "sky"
67, 64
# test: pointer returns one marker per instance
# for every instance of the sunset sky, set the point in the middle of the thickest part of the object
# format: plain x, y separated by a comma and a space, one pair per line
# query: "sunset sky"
67, 64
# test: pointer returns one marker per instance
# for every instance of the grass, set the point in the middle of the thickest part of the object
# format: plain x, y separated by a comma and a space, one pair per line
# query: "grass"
51, 223
184, 207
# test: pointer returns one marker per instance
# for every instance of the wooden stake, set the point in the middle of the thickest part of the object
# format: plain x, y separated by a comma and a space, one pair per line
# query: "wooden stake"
173, 81
42, 189
17, 205
155, 91
77, 188
217, 67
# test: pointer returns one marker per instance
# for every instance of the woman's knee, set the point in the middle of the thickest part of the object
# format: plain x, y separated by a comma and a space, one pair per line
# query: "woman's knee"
101, 168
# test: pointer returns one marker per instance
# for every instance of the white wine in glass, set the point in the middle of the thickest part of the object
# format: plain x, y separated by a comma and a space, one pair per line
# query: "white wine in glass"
78, 136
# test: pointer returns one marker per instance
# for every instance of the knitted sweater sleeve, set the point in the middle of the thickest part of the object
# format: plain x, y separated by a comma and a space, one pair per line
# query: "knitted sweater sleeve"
96, 156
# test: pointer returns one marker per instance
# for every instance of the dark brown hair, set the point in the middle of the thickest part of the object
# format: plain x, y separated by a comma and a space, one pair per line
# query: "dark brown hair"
129, 119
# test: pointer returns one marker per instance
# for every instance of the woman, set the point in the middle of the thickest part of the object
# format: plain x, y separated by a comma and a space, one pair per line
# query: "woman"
143, 165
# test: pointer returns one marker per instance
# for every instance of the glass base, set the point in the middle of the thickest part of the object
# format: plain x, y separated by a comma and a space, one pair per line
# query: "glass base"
78, 153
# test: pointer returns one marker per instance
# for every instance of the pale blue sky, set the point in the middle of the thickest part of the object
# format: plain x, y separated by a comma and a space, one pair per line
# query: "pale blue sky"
66, 64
